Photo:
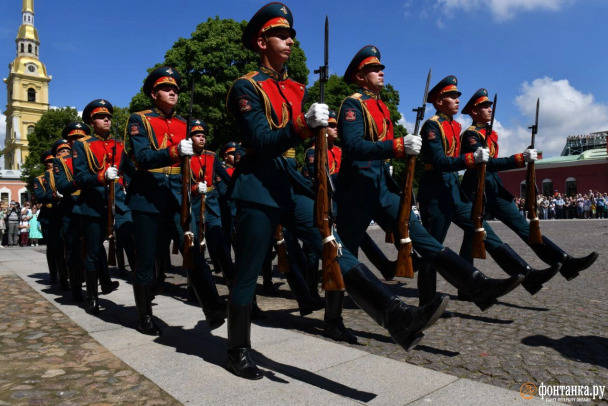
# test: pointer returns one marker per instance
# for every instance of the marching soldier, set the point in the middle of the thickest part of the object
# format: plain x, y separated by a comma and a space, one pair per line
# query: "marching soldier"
268, 106
156, 142
64, 188
499, 202
441, 198
49, 221
368, 141
95, 162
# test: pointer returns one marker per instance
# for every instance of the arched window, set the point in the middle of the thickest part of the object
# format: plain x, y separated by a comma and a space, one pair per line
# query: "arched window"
29, 48
36, 50
571, 187
31, 95
30, 129
547, 187
22, 48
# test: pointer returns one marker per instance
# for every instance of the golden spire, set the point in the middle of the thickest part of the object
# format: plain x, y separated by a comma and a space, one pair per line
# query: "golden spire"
28, 6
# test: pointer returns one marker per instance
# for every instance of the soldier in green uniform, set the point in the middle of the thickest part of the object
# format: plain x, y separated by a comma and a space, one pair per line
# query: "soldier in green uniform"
156, 142
442, 200
368, 141
499, 202
268, 191
49, 222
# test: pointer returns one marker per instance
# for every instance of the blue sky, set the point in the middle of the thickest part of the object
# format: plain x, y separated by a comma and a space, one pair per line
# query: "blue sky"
520, 49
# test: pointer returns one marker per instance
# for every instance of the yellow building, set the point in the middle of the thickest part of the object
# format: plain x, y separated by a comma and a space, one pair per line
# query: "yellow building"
27, 91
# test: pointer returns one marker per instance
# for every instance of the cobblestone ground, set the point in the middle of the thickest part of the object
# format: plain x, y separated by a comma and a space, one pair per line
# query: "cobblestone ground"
46, 359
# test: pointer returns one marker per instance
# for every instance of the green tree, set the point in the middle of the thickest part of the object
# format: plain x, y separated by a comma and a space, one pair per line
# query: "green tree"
47, 130
213, 58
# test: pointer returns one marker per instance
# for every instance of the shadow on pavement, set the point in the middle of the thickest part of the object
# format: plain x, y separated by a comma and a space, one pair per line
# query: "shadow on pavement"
588, 349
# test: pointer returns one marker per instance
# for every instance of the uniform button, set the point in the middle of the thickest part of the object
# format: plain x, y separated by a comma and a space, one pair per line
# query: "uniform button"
169, 121
282, 86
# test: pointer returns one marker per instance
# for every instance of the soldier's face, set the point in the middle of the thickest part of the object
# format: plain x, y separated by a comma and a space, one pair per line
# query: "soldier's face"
102, 123
229, 158
332, 132
198, 141
276, 45
372, 77
482, 113
448, 103
63, 152
165, 97
48, 165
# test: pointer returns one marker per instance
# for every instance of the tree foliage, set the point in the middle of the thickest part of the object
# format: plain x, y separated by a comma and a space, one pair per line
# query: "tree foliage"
213, 58
46, 131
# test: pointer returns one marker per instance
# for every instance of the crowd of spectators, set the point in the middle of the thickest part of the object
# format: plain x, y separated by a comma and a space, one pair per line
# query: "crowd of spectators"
20, 224
590, 205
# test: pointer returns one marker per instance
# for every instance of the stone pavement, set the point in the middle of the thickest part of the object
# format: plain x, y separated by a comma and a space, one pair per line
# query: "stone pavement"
54, 353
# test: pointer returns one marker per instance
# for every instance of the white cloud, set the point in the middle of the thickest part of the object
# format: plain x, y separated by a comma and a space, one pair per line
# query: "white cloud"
500, 9
409, 126
564, 111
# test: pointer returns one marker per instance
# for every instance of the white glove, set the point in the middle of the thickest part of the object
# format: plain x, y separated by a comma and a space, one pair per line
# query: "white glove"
184, 148
412, 144
59, 195
530, 155
317, 115
201, 188
111, 173
482, 155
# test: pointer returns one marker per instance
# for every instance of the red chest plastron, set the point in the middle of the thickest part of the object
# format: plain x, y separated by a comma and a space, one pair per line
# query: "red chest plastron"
382, 118
334, 158
103, 150
451, 132
202, 167
284, 94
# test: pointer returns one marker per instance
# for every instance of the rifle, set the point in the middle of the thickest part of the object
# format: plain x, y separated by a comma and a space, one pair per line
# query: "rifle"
187, 252
111, 211
479, 249
279, 247
535, 236
404, 267
332, 277
201, 217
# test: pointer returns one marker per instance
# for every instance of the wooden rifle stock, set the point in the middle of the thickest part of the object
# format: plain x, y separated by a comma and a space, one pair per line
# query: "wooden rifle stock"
110, 223
187, 252
479, 249
535, 236
389, 237
332, 276
404, 267
279, 247
201, 224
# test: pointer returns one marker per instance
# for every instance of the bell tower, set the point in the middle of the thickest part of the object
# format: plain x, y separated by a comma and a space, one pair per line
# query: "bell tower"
27, 90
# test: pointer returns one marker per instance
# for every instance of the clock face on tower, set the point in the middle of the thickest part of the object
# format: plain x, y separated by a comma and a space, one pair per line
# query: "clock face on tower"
31, 68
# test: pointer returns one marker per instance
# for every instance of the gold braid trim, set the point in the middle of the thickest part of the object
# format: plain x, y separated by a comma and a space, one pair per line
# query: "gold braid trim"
52, 181
91, 159
443, 139
41, 181
68, 173
267, 106
153, 145
371, 128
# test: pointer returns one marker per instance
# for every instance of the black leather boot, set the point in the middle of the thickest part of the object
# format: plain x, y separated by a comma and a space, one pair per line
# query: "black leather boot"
377, 257
75, 282
204, 288
513, 264
404, 323
268, 287
552, 255
306, 303
107, 284
256, 312
333, 325
482, 290
92, 303
143, 302
239, 360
